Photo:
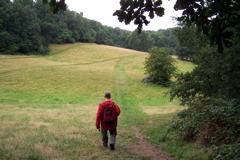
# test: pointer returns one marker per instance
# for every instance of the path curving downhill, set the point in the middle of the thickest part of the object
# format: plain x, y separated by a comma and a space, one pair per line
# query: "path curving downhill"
143, 148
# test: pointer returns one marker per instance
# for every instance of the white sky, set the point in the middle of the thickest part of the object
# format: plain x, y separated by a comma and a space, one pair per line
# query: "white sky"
102, 11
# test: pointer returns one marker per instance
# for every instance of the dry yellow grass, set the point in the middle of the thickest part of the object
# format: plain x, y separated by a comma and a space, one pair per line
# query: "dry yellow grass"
55, 134
92, 53
161, 110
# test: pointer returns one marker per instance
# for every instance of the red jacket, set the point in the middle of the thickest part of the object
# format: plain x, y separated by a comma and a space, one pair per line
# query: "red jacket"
99, 118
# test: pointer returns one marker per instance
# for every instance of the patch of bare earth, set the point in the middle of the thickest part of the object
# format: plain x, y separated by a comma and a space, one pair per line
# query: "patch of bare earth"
146, 149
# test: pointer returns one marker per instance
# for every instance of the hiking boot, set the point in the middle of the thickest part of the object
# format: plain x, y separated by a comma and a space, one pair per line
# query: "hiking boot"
105, 145
112, 146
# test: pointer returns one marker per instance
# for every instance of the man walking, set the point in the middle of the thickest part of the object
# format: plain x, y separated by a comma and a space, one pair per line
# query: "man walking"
107, 116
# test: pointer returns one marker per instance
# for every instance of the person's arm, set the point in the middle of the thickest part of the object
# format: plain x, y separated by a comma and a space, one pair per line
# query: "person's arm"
98, 116
117, 109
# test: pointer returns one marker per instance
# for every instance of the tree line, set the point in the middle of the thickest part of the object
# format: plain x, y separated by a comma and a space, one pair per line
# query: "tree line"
28, 27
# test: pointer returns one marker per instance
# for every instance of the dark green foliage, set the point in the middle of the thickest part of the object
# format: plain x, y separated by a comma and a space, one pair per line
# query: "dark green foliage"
20, 30
159, 67
8, 43
214, 18
141, 42
190, 42
212, 122
56, 5
227, 151
47, 20
28, 31
121, 37
133, 10
148, 39
164, 38
27, 27
217, 75
64, 36
212, 93
168, 51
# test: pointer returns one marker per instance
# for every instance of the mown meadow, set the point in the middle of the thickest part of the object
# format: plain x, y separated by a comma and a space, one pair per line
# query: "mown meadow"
48, 104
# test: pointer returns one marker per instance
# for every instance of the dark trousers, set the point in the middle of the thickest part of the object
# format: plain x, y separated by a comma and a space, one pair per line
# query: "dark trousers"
113, 134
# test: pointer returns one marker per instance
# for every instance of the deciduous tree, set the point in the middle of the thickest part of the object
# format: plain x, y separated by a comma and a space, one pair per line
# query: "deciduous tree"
160, 67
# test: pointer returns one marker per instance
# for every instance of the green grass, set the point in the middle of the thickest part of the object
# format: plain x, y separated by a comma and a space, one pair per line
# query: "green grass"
156, 128
48, 104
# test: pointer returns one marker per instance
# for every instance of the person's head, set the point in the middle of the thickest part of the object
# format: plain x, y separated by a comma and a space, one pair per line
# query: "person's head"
107, 95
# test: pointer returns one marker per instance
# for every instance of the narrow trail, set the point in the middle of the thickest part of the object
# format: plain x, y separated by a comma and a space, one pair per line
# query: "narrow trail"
143, 148
62, 51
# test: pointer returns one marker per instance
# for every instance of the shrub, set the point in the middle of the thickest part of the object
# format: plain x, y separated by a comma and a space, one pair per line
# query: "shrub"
212, 122
168, 51
228, 151
211, 92
159, 67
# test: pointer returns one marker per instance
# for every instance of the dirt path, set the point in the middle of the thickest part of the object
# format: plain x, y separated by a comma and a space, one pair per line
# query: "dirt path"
146, 149
143, 148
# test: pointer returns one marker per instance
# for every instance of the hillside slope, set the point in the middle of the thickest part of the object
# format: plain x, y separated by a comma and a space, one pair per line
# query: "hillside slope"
48, 104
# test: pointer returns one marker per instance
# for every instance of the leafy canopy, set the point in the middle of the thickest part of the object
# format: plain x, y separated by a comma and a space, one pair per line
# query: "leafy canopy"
56, 5
190, 42
215, 18
133, 10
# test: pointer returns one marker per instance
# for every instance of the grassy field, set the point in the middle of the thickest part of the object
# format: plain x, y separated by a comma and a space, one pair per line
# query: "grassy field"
48, 104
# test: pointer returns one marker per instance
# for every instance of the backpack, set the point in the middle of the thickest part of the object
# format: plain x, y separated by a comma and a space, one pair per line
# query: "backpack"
109, 116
